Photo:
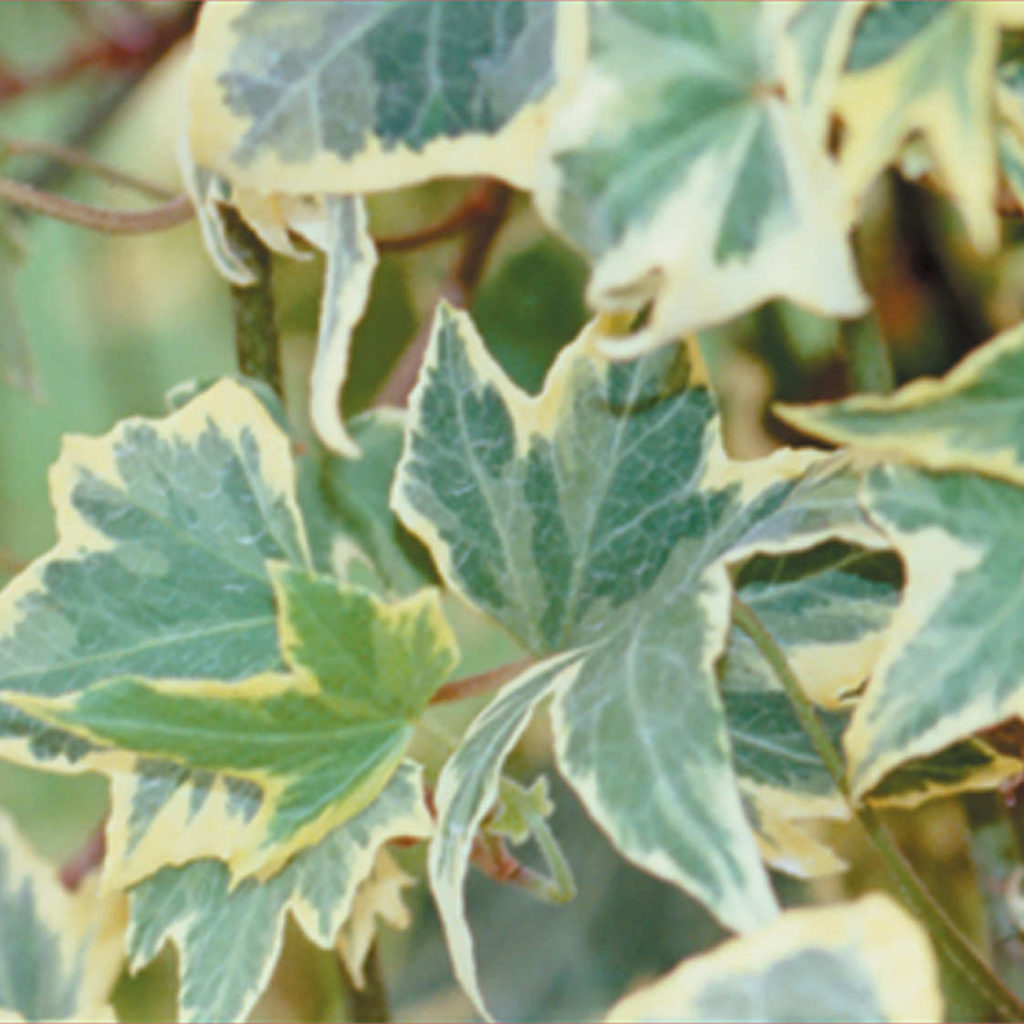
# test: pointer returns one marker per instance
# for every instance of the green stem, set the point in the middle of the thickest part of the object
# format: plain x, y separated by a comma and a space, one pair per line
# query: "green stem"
952, 945
369, 1004
256, 339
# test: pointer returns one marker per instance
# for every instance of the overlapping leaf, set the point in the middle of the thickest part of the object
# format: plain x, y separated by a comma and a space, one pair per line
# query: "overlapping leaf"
972, 419
165, 530
951, 664
316, 743
60, 952
599, 518
682, 169
228, 938
868, 960
358, 97
928, 69
813, 43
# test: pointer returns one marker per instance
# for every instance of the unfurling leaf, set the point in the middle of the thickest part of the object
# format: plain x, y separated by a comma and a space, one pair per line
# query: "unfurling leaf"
868, 960
343, 235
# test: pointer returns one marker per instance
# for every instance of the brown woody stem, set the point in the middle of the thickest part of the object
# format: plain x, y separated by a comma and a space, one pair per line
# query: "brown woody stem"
480, 218
98, 218
74, 157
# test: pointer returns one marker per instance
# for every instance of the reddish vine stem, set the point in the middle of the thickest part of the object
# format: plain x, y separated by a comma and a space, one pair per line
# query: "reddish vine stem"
168, 215
480, 218
85, 860
482, 682
74, 157
461, 219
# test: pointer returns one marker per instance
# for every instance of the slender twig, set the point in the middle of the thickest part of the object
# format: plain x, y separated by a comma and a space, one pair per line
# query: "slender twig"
458, 221
369, 1004
160, 218
482, 682
132, 52
956, 949
86, 859
257, 346
487, 209
79, 158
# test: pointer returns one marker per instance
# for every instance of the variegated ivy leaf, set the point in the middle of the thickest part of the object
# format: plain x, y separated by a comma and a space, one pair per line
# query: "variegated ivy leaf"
682, 169
359, 97
228, 937
928, 69
868, 960
832, 600
813, 43
599, 518
60, 952
952, 663
165, 528
966, 766
316, 744
956, 534
972, 419
1010, 99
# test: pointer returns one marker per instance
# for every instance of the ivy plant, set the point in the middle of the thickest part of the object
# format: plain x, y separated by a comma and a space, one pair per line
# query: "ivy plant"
252, 630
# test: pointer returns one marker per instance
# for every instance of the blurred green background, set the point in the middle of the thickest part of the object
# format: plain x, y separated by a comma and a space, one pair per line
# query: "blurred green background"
109, 324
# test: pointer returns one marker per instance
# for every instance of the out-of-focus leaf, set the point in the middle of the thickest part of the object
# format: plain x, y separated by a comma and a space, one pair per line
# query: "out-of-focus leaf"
359, 97
683, 171
15, 358
868, 960
928, 69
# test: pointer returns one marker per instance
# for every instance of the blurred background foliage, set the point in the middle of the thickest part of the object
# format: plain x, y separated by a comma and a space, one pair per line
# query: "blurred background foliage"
94, 328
